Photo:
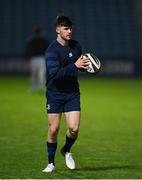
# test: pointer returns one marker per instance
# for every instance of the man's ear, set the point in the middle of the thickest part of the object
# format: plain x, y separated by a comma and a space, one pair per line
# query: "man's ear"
58, 30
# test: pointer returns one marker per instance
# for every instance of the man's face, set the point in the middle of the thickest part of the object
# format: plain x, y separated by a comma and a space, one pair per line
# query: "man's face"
64, 32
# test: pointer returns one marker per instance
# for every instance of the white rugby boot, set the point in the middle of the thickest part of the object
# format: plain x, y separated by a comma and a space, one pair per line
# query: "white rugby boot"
69, 160
50, 168
70, 163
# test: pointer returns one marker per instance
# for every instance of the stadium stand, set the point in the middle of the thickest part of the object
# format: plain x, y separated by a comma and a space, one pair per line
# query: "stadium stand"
108, 28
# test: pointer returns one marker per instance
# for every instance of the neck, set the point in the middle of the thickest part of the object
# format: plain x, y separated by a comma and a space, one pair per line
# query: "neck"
62, 41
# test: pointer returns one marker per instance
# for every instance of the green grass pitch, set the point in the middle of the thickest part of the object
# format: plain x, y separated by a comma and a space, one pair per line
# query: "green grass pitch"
110, 140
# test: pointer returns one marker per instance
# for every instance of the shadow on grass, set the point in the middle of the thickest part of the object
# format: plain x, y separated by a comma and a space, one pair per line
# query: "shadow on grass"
89, 172
107, 168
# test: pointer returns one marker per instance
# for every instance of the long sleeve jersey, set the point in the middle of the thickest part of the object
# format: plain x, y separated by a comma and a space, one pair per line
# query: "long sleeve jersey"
61, 72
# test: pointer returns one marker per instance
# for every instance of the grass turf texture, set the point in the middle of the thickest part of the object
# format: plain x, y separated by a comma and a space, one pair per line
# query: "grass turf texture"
109, 143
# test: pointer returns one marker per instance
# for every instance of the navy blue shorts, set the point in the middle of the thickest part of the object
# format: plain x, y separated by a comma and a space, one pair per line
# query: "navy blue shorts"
58, 102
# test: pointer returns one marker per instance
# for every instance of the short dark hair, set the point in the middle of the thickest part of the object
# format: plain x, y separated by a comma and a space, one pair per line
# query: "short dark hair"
63, 21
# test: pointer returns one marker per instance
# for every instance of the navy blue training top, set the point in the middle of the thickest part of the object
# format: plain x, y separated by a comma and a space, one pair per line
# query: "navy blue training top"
61, 72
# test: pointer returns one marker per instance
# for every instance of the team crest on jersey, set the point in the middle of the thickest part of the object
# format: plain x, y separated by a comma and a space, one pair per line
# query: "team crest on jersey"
48, 107
70, 54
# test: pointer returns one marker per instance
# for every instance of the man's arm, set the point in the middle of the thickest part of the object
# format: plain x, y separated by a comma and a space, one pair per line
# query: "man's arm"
53, 67
57, 72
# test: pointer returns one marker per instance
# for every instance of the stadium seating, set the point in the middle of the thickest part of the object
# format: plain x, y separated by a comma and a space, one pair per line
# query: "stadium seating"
107, 27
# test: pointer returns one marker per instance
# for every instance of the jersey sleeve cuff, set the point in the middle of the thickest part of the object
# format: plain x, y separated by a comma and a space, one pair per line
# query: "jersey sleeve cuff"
73, 67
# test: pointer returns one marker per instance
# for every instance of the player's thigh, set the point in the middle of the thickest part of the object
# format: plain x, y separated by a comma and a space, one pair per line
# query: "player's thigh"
73, 119
41, 74
54, 120
41, 68
33, 67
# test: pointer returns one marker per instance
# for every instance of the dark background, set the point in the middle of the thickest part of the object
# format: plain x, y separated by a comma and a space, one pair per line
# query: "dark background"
112, 29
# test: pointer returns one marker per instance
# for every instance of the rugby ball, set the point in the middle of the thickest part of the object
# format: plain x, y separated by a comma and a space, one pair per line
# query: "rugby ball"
94, 64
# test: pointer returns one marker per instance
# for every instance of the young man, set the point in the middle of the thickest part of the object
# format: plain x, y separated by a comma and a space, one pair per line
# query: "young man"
63, 59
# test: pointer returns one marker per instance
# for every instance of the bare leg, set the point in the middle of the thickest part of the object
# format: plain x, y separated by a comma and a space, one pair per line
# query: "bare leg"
53, 127
73, 122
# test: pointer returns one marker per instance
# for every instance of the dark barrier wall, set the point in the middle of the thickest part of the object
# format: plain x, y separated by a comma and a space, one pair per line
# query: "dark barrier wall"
107, 27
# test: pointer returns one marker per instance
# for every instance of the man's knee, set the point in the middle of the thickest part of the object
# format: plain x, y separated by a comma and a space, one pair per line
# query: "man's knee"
53, 130
73, 131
